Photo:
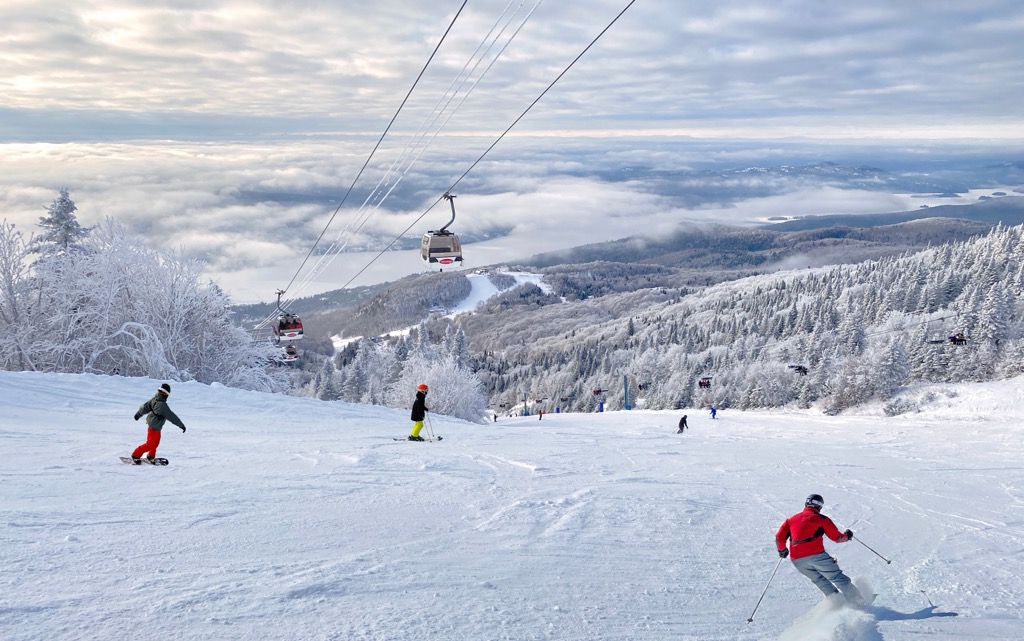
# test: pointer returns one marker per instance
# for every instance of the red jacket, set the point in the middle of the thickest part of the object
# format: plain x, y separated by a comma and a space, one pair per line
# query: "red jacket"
805, 529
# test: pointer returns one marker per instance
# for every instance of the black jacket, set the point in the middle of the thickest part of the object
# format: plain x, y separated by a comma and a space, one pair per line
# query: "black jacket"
419, 406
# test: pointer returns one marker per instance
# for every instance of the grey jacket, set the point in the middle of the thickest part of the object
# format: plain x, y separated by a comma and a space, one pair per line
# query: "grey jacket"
158, 413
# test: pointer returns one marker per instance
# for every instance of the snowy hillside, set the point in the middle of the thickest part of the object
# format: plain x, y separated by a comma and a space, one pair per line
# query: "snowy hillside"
294, 519
481, 290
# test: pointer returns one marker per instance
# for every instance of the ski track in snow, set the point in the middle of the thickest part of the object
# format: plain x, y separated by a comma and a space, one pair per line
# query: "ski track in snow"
481, 290
289, 518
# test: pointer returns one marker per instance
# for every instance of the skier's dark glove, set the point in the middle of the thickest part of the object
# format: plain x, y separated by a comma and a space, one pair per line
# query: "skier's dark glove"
783, 553
137, 416
849, 534
182, 429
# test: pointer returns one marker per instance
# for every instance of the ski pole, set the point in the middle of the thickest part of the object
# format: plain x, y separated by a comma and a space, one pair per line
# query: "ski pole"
887, 561
758, 604
430, 427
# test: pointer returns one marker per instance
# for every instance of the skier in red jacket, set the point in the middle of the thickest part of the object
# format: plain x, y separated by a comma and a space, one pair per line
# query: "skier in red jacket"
807, 549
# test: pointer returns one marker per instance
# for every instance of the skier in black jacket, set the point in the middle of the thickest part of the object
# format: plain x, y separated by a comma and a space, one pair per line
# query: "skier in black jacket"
419, 412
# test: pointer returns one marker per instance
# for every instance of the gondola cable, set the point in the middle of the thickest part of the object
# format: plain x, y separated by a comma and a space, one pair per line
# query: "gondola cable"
375, 148
329, 256
410, 157
488, 150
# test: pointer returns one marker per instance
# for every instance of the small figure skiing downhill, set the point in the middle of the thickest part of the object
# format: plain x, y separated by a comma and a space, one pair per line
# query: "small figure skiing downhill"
682, 424
804, 530
157, 413
419, 412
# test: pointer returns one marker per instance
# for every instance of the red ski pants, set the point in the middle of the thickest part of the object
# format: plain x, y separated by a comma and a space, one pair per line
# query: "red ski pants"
152, 441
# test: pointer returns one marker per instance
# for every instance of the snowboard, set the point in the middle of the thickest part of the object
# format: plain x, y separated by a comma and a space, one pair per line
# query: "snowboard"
426, 440
145, 461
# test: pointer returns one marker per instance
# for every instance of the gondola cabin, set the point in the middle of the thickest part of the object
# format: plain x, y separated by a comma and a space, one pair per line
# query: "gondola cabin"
704, 383
288, 327
290, 353
441, 250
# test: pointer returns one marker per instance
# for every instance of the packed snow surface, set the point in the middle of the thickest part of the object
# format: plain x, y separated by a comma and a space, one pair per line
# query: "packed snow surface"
482, 289
294, 519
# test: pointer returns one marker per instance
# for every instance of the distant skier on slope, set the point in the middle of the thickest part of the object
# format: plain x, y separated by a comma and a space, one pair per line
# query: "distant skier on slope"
157, 413
419, 412
682, 424
714, 412
807, 549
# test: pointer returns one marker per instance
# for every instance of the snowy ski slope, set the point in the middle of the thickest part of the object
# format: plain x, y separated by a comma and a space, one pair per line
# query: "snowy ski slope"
294, 519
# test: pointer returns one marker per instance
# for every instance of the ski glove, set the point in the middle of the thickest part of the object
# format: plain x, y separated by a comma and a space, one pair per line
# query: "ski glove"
783, 553
137, 415
849, 534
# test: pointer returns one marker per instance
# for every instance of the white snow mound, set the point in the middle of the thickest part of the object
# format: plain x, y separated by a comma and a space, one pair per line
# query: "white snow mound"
834, 620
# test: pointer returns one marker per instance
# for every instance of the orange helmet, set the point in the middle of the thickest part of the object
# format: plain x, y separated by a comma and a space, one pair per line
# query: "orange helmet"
421, 387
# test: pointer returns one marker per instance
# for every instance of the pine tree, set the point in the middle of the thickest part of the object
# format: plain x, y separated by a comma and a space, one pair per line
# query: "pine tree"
356, 374
402, 348
894, 368
423, 347
994, 315
327, 390
62, 234
455, 345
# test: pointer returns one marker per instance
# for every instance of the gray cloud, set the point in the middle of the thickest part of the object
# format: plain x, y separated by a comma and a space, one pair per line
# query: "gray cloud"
181, 70
253, 210
234, 129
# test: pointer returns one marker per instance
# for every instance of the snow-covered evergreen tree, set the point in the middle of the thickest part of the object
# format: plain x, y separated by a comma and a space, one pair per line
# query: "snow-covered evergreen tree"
61, 232
356, 375
455, 345
424, 349
326, 382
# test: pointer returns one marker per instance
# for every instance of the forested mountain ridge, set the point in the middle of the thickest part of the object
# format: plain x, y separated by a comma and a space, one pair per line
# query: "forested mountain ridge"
726, 247
860, 331
1006, 209
691, 258
650, 318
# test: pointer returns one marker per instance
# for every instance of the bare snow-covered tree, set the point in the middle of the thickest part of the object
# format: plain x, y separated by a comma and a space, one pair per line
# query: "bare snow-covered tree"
454, 391
16, 328
116, 306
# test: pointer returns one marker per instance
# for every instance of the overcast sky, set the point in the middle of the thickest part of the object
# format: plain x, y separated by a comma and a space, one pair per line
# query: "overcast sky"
77, 69
166, 115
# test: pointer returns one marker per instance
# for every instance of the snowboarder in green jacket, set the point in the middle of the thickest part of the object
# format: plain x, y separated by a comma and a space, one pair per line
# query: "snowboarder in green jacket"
157, 413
